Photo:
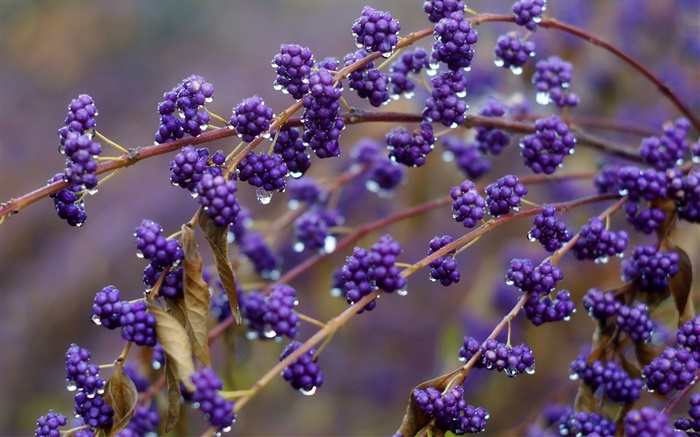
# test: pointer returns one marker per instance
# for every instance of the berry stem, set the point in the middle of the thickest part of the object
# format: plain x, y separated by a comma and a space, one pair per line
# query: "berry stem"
233, 394
74, 430
311, 320
217, 117
111, 143
673, 403
325, 343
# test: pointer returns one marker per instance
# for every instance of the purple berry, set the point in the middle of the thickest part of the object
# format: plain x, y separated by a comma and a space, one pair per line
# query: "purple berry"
528, 13
673, 369
598, 243
81, 164
454, 39
491, 140
303, 374
263, 171
187, 99
218, 198
94, 411
541, 279
584, 424
651, 268
600, 305
648, 422
81, 117
217, 410
311, 230
469, 348
258, 252
291, 148
545, 150
322, 124
551, 233
68, 202
443, 269
635, 321
374, 86
439, 9
605, 180
48, 425
251, 118
504, 194
188, 167
106, 309
691, 425
552, 79
82, 375
450, 411
409, 148
279, 312
445, 104
384, 176
666, 151
689, 335
646, 220
144, 421
293, 65
385, 273
468, 157
305, 190
376, 31
356, 278
512, 52
409, 62
138, 325
253, 309
468, 205
513, 360
637, 184
541, 310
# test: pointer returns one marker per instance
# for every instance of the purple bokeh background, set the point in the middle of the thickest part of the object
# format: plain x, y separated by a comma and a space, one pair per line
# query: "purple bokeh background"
126, 54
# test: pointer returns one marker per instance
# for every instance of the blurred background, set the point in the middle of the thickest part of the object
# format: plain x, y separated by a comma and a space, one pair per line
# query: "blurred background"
126, 54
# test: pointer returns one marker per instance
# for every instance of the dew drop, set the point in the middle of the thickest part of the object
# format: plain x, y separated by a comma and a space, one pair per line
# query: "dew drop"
530, 237
461, 94
567, 318
402, 292
509, 282
601, 260
269, 333
329, 244
298, 247
97, 320
308, 392
448, 156
251, 335
139, 254
263, 195
336, 292
265, 134
409, 94
542, 98
230, 237
90, 395
498, 62
463, 359
226, 429
433, 67
156, 364
71, 385
92, 191
372, 186
296, 174
696, 159
276, 86
573, 376
530, 370
62, 149
516, 70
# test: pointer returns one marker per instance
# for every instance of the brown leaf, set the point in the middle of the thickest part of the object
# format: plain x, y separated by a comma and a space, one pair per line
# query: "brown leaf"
644, 353
679, 285
217, 235
632, 370
196, 293
173, 398
414, 420
176, 345
120, 394
585, 399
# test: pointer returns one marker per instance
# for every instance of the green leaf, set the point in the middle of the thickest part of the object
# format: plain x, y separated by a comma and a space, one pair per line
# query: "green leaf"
196, 299
176, 345
121, 395
217, 236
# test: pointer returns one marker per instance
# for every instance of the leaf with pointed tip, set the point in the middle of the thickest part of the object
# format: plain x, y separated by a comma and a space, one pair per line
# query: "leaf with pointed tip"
414, 420
121, 395
679, 285
585, 399
217, 237
196, 299
173, 398
644, 353
176, 345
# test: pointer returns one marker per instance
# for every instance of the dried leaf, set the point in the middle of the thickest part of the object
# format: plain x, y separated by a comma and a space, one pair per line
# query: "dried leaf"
632, 370
173, 398
176, 345
585, 400
121, 395
217, 237
176, 308
196, 293
679, 285
644, 353
414, 420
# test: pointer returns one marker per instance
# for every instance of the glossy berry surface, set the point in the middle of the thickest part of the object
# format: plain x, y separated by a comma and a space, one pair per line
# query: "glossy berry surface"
374, 86
648, 422
81, 116
600, 305
468, 157
528, 13
598, 243
605, 180
48, 425
217, 410
218, 198
545, 150
94, 411
689, 335
635, 321
667, 150
82, 375
376, 31
468, 207
650, 267
492, 140
645, 220
691, 425
162, 252
305, 190
145, 420
263, 171
279, 315
409, 62
409, 148
385, 273
454, 38
292, 150
106, 309
584, 424
251, 118
81, 164
444, 269
322, 124
450, 411
439, 9
637, 184
673, 369
303, 374
541, 279
470, 346
253, 308
182, 110
511, 360
512, 52
541, 310
552, 234
444, 104
356, 277
138, 325
188, 167
293, 66
552, 79
504, 194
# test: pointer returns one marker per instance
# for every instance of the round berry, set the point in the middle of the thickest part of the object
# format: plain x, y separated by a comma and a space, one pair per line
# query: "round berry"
444, 104
409, 62
251, 118
552, 79
439, 9
599, 244
468, 205
48, 425
689, 335
217, 410
544, 151
218, 198
450, 411
279, 312
385, 273
468, 157
666, 151
106, 309
263, 171
528, 13
600, 305
303, 374
512, 52
444, 268
541, 310
322, 123
384, 176
504, 194
291, 148
138, 325
94, 411
376, 31
648, 422
454, 39
635, 321
541, 279
259, 253
491, 140
188, 167
68, 202
673, 369
293, 65
409, 148
551, 233
584, 424
646, 220
637, 183
651, 268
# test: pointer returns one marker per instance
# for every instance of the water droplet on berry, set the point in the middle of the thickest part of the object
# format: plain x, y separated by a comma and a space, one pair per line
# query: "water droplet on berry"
92, 191
498, 62
156, 364
97, 320
402, 292
530, 237
448, 156
62, 149
139, 254
516, 70
79, 224
696, 159
509, 282
269, 333
433, 68
329, 244
298, 247
462, 359
601, 260
251, 335
409, 94
90, 395
542, 98
71, 385
225, 429
263, 196
336, 292
265, 134
530, 370
432, 279
573, 376
308, 392
372, 186
276, 86
296, 174
461, 94
230, 237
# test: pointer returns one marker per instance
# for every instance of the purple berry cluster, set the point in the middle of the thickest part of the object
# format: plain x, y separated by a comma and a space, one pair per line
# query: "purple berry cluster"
384, 176
374, 87
552, 234
80, 374
253, 308
305, 190
444, 268
648, 422
545, 150
504, 194
513, 360
293, 66
81, 164
280, 318
686, 193
48, 425
183, 110
454, 38
450, 411
260, 255
251, 118
541, 310
190, 164
635, 321
160, 251
80, 118
69, 202
439, 9
512, 52
675, 368
666, 151
303, 374
171, 287
217, 410
263, 171
409, 62
583, 424
529, 12
689, 335
651, 268
691, 425
444, 104
410, 149
468, 157
645, 220
552, 79
541, 279
598, 243
144, 422
138, 325
468, 207
605, 180
312, 231
217, 196
291, 148
95, 411
600, 305
107, 307
617, 385
491, 140
322, 124
376, 31
636, 183
470, 346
